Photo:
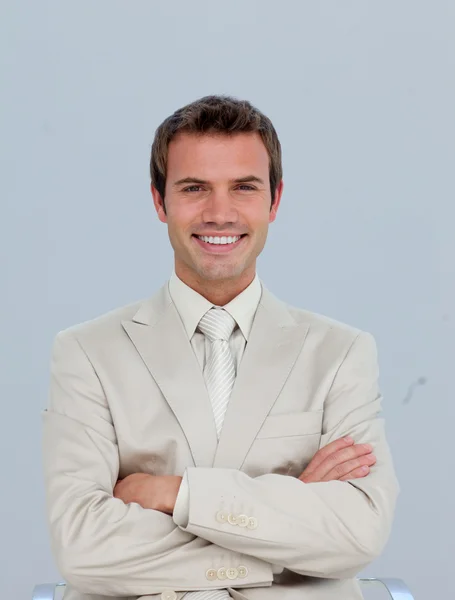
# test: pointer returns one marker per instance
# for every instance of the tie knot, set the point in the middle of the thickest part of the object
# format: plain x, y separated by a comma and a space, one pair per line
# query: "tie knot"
217, 324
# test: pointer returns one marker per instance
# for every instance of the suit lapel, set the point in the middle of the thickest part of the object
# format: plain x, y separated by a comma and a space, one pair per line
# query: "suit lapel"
275, 342
159, 336
274, 345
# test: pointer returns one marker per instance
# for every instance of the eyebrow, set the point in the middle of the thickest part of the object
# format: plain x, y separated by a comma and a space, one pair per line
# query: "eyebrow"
246, 179
188, 180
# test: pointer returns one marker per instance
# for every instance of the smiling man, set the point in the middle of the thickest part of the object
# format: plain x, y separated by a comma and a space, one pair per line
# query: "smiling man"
213, 442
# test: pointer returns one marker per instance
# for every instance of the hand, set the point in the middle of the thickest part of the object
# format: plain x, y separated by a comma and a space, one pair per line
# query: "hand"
157, 492
340, 460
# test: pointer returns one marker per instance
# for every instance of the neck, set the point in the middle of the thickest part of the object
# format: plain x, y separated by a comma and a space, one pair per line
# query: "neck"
220, 291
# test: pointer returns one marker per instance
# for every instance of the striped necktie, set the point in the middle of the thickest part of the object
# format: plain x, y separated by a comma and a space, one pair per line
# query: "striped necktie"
219, 373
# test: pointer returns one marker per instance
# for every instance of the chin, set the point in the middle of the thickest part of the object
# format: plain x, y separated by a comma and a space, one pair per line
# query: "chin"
221, 272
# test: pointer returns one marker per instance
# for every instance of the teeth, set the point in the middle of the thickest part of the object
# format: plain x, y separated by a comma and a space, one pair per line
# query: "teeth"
219, 240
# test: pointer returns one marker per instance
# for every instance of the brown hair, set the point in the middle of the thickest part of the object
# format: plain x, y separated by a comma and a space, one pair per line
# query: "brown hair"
215, 115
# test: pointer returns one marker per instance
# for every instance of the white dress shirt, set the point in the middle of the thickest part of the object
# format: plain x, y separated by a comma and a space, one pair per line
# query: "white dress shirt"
191, 307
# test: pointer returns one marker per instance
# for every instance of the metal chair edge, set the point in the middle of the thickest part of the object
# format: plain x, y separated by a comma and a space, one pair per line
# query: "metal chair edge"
396, 588
45, 591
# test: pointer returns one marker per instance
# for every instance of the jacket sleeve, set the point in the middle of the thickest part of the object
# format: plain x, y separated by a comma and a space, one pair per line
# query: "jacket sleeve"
101, 545
330, 529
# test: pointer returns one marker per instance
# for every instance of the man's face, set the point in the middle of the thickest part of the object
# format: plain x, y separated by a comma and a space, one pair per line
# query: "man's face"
217, 187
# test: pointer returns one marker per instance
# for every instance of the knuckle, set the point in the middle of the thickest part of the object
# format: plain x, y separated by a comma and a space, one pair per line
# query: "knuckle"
326, 451
330, 462
349, 465
319, 453
345, 454
339, 443
338, 470
362, 449
333, 447
357, 473
368, 460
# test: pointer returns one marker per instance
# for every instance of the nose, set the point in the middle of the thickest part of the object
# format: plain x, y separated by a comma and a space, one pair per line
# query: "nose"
219, 209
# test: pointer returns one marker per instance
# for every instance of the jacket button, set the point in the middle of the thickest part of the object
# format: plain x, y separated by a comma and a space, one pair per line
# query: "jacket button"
232, 519
221, 516
242, 520
221, 574
252, 523
242, 571
232, 573
211, 574
168, 595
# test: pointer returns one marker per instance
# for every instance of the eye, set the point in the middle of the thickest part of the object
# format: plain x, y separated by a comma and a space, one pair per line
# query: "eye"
192, 188
245, 187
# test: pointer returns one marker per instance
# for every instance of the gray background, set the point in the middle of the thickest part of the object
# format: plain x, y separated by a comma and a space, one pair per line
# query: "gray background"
362, 94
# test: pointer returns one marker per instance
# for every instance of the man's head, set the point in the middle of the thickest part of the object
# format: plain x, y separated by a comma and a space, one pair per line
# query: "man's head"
216, 172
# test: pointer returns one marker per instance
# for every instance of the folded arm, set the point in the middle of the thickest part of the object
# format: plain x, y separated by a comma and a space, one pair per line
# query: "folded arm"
101, 545
329, 529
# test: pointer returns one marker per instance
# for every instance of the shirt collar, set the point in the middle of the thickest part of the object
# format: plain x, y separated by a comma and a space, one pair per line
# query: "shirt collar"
191, 306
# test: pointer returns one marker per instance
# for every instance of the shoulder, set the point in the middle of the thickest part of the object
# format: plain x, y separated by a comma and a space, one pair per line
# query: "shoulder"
331, 335
322, 322
104, 328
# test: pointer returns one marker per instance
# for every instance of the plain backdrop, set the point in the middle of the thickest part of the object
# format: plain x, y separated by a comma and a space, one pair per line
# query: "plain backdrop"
362, 94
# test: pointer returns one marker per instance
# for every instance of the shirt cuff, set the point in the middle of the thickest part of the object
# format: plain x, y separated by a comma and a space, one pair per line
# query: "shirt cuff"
182, 503
277, 570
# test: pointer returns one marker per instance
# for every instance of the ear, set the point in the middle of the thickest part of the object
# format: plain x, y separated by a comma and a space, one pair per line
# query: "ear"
276, 201
160, 207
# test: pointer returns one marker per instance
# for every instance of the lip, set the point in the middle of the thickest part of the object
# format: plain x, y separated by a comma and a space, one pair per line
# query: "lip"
218, 248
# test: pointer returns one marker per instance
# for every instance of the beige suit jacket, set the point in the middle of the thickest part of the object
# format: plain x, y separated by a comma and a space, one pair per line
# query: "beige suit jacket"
127, 395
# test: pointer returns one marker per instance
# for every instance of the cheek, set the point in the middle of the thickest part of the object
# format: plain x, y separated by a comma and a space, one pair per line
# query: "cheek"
259, 225
179, 222
255, 215
183, 215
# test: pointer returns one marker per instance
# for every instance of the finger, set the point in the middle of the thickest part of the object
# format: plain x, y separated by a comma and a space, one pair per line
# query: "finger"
325, 452
342, 456
344, 468
356, 473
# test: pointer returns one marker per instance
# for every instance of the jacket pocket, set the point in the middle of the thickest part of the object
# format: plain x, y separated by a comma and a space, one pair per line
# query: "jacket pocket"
290, 424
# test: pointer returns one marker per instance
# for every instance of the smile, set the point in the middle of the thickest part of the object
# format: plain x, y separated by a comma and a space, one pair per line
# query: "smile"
218, 245
219, 240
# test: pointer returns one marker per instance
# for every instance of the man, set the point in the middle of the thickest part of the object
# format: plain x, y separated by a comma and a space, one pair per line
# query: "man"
212, 442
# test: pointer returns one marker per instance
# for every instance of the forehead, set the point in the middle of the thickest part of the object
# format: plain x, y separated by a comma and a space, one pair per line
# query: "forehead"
217, 155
